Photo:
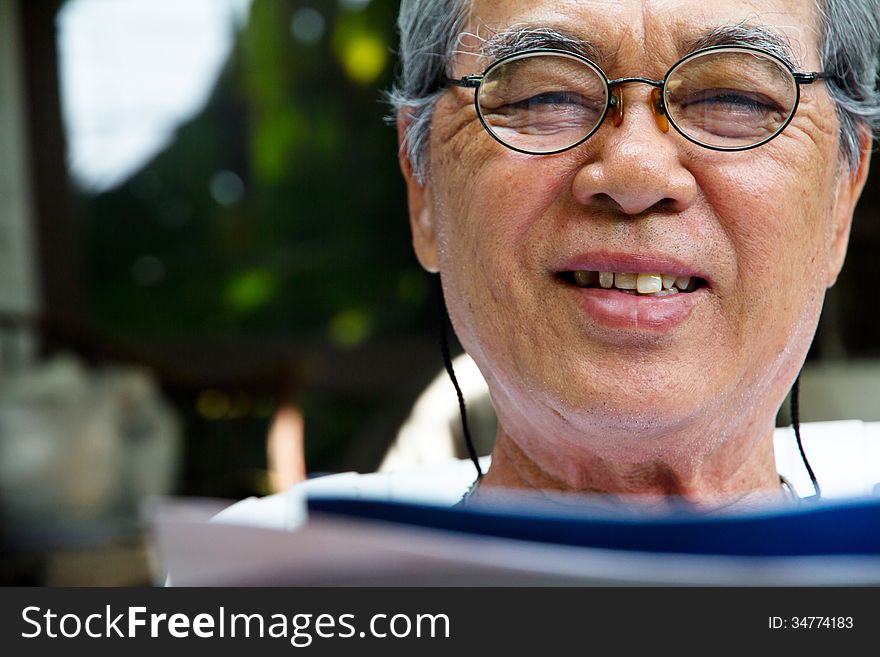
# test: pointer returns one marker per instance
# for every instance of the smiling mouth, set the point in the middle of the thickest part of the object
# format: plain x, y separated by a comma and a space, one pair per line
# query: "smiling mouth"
648, 285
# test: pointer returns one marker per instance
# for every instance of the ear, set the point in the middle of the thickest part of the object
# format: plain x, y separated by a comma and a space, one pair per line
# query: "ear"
421, 218
849, 189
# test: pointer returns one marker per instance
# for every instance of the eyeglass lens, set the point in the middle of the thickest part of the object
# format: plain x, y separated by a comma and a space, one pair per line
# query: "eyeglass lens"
725, 99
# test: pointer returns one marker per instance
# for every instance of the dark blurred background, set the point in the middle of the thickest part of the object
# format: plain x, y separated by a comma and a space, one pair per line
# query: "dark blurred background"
202, 223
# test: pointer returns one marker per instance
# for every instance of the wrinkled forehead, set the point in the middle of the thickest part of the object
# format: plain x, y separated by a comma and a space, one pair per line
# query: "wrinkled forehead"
652, 30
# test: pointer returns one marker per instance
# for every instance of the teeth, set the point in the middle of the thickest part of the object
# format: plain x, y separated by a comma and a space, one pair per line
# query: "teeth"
658, 285
584, 278
649, 283
626, 281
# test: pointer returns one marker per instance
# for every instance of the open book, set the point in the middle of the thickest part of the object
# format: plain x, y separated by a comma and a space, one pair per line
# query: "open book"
360, 543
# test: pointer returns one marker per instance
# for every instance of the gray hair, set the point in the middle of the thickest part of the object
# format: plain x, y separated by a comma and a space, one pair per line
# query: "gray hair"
849, 34
429, 36
430, 31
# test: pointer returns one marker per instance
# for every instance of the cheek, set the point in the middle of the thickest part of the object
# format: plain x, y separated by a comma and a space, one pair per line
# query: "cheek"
492, 234
492, 224
777, 221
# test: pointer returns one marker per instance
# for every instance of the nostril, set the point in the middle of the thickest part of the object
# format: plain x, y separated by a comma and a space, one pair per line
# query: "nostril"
666, 205
603, 201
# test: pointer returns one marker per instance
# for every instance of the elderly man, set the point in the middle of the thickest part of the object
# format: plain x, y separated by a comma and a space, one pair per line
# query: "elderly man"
635, 209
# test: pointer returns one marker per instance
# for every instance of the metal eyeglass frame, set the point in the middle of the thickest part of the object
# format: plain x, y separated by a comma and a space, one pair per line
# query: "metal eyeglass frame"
614, 99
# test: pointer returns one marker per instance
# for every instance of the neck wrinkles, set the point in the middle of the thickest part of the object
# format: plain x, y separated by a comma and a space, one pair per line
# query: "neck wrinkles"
655, 483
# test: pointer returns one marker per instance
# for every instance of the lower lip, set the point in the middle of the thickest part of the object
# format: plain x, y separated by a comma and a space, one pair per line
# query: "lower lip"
620, 310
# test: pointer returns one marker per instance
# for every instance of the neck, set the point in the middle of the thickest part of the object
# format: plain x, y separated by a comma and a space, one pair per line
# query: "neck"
740, 472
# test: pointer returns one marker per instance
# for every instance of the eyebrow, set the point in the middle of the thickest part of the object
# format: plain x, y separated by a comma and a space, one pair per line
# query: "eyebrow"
518, 38
746, 35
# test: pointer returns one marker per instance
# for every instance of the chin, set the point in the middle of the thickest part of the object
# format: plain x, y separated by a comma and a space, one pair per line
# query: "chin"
610, 413
650, 387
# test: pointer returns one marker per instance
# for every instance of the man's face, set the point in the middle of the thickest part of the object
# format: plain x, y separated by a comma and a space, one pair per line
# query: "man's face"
763, 229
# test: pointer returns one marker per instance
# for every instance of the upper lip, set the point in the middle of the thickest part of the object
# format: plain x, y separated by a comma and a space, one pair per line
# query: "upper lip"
631, 263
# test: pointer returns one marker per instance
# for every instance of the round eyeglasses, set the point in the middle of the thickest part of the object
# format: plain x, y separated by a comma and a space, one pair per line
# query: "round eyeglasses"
727, 98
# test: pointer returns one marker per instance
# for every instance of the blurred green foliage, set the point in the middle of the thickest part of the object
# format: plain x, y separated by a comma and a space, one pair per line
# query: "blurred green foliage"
278, 210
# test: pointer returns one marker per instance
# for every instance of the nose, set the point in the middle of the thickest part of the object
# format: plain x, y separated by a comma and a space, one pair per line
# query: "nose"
636, 167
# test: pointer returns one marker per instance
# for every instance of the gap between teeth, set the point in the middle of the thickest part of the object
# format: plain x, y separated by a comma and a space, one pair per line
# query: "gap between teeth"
651, 284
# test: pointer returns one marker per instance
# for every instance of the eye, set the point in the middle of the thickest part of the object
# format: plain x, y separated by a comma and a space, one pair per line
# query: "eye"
729, 100
554, 98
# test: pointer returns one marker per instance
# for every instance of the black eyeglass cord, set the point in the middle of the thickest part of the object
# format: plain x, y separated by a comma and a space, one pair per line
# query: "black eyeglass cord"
447, 363
796, 425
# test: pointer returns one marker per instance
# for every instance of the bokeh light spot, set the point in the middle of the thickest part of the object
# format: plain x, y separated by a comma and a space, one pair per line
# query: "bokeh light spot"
226, 188
350, 327
251, 290
212, 404
364, 57
148, 271
307, 26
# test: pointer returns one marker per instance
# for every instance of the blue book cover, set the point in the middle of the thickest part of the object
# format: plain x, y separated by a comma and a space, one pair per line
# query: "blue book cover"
824, 528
